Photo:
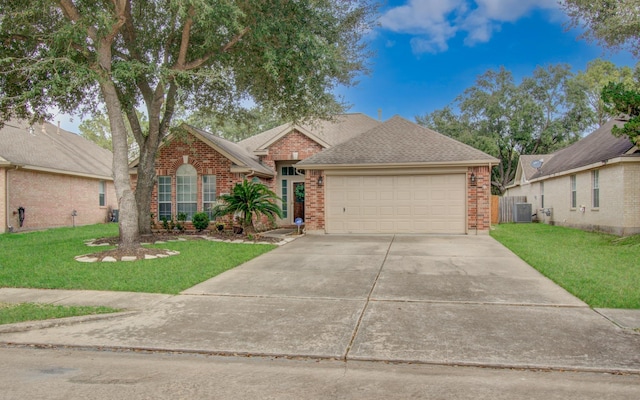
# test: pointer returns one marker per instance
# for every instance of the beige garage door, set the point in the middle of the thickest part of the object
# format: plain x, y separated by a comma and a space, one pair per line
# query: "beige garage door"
396, 204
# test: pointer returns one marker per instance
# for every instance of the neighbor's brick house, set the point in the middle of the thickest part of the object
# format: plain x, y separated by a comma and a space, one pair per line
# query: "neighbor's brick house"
50, 173
392, 177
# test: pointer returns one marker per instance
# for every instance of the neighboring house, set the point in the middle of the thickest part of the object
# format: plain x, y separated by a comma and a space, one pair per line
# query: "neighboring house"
349, 175
593, 184
47, 173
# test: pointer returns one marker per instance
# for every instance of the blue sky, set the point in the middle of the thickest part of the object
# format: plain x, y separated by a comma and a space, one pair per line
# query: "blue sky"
427, 52
430, 51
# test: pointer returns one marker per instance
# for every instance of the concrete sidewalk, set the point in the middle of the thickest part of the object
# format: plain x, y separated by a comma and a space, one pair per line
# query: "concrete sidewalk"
452, 300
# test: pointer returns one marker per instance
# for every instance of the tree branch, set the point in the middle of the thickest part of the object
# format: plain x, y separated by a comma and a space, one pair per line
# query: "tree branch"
71, 13
197, 63
184, 41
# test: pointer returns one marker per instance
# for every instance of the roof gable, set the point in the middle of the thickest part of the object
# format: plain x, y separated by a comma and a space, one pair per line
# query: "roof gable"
526, 170
228, 149
399, 141
599, 146
47, 147
326, 133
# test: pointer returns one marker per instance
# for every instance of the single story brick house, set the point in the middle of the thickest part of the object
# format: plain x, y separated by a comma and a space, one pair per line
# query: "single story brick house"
593, 184
352, 174
48, 174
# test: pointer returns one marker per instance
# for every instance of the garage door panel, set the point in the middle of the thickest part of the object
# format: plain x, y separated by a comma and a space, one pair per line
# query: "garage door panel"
396, 204
386, 211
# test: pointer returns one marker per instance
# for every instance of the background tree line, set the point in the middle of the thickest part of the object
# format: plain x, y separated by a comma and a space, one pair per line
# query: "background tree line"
538, 115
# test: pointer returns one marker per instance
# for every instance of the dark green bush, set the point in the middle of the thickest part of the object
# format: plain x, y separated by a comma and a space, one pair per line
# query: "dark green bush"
200, 221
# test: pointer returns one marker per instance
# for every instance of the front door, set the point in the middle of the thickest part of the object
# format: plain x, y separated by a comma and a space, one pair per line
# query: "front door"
298, 200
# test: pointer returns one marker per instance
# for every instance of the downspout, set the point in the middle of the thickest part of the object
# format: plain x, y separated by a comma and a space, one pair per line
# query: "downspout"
9, 228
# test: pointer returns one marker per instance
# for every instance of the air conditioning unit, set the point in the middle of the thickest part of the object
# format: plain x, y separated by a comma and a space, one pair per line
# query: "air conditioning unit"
522, 212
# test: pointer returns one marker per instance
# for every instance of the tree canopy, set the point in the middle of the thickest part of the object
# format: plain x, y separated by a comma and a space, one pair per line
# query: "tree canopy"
130, 55
541, 114
614, 24
626, 101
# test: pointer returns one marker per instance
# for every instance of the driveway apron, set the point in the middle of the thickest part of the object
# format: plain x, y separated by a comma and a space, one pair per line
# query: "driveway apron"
462, 300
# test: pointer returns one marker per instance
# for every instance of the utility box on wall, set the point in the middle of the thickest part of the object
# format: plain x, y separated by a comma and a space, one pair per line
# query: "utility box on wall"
522, 212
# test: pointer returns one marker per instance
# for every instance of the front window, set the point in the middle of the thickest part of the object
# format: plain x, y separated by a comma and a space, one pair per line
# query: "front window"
541, 194
208, 194
574, 193
101, 193
187, 190
164, 197
595, 180
290, 171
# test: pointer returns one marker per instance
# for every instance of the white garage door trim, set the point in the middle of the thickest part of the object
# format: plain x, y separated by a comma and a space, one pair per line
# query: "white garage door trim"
383, 203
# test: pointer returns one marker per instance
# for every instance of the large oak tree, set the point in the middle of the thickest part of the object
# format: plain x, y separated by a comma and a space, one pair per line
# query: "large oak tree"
123, 55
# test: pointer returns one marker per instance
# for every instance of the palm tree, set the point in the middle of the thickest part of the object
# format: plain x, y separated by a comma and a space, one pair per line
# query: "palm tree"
249, 200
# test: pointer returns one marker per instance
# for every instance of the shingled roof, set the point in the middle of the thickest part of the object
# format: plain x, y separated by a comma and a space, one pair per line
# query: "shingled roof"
529, 170
398, 141
328, 133
46, 147
233, 151
598, 146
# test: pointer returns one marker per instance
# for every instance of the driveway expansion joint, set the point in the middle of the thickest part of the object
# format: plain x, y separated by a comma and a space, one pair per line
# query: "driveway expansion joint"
366, 304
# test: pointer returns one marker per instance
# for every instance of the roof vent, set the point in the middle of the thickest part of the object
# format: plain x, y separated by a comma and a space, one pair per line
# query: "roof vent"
537, 163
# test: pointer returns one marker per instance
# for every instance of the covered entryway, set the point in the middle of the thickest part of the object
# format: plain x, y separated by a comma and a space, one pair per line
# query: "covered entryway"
396, 203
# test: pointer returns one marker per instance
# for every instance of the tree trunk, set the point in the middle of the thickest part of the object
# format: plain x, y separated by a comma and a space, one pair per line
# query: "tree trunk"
128, 216
144, 187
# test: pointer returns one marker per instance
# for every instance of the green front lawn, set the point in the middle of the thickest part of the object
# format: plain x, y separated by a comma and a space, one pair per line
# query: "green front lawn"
45, 259
602, 270
13, 313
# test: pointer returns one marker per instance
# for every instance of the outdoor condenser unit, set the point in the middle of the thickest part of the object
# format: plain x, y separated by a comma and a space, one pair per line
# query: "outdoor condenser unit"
522, 212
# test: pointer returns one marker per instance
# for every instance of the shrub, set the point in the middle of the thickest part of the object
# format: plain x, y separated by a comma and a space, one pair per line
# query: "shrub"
200, 221
249, 200
181, 218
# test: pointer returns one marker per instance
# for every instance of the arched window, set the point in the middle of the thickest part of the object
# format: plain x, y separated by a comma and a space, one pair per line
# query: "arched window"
187, 190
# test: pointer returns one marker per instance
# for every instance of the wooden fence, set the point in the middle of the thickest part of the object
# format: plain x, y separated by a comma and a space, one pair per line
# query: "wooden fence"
505, 207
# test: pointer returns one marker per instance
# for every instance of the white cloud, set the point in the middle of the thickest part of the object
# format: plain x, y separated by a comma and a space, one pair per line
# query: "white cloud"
434, 22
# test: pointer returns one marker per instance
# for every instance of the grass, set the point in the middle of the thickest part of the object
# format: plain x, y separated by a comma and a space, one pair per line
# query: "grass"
45, 259
13, 313
602, 270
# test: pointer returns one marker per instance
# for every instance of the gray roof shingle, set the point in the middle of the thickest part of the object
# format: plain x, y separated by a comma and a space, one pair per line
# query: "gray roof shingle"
54, 149
526, 159
234, 150
598, 146
399, 141
341, 128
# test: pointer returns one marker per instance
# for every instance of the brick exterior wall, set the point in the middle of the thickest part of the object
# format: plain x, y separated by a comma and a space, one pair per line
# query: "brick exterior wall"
619, 211
283, 149
314, 202
49, 199
479, 199
204, 159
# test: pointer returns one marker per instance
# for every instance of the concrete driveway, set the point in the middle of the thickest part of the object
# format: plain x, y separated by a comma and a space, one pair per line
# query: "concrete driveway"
460, 300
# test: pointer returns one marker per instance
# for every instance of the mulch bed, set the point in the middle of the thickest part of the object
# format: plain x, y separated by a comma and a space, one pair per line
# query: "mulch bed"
141, 252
